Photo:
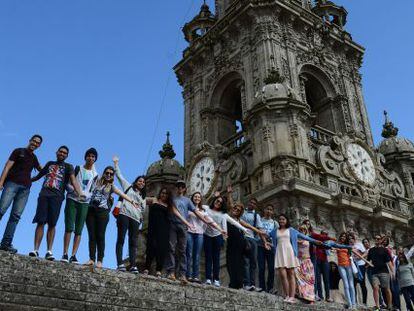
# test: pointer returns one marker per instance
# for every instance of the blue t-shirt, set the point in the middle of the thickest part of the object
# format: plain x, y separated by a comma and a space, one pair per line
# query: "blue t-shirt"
249, 217
268, 225
184, 206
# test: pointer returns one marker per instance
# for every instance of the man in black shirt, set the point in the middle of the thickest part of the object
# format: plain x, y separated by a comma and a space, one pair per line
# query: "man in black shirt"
15, 183
381, 272
57, 175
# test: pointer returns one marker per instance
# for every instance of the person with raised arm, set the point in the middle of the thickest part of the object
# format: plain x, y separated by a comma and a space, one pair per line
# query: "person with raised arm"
15, 183
285, 241
76, 209
130, 217
405, 277
58, 174
159, 223
98, 214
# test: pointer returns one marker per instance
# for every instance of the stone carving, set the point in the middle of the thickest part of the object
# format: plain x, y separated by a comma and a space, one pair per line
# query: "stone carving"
284, 170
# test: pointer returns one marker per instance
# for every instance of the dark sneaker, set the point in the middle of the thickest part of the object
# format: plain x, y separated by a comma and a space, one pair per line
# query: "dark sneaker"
49, 256
121, 268
73, 259
65, 258
134, 270
34, 254
8, 248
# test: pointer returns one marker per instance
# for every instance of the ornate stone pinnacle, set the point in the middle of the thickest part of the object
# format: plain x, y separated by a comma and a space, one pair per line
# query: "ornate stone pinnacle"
388, 130
167, 149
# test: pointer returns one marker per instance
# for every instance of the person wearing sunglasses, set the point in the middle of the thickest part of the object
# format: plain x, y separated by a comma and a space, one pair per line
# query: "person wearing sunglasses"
381, 272
97, 219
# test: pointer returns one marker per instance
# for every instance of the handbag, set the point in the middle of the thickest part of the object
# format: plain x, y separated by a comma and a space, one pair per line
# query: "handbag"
117, 208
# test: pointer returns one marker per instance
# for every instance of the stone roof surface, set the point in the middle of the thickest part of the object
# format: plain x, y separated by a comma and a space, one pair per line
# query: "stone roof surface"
35, 284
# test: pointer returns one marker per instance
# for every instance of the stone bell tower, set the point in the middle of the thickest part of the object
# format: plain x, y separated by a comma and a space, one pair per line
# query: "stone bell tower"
274, 106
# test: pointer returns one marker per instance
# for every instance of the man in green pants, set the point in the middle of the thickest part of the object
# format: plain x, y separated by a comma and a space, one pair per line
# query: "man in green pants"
76, 209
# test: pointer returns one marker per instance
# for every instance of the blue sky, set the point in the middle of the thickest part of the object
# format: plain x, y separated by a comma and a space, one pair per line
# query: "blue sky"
95, 72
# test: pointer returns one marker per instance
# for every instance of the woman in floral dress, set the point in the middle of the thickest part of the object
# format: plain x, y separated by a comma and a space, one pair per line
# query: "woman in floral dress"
305, 274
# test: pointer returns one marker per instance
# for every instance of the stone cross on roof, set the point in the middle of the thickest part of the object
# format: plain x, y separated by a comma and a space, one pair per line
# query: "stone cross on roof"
167, 149
389, 130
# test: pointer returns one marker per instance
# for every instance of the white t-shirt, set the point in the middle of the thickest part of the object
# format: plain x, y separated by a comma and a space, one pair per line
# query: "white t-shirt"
362, 249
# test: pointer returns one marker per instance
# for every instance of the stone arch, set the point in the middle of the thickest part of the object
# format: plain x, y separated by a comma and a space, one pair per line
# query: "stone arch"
319, 92
227, 102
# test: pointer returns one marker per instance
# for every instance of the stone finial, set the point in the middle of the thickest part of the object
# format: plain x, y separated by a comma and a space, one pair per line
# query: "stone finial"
167, 149
389, 130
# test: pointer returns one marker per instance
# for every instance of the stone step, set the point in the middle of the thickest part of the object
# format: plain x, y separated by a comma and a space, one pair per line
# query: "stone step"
36, 284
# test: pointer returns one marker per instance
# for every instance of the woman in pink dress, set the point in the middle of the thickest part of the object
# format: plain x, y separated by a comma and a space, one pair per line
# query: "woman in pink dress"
305, 274
285, 242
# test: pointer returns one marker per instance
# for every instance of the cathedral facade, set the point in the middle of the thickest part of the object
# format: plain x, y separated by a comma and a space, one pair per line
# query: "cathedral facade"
274, 106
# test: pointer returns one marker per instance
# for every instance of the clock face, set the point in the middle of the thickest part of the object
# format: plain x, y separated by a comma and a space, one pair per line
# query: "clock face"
361, 164
202, 176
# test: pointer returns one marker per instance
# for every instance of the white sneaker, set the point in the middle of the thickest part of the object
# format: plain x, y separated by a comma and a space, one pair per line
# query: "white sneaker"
248, 288
208, 282
217, 283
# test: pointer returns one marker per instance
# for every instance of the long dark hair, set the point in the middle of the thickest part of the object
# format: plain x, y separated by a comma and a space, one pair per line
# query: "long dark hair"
142, 191
223, 208
287, 220
170, 198
346, 238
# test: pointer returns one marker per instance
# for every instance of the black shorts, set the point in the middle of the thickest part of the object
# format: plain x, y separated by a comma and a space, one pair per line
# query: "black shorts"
48, 210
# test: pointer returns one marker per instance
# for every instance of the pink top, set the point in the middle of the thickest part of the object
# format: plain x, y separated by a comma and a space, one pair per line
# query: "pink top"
198, 224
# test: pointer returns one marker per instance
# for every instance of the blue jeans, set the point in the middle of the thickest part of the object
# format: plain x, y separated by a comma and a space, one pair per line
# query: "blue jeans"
347, 277
264, 257
194, 246
18, 195
212, 248
250, 264
322, 270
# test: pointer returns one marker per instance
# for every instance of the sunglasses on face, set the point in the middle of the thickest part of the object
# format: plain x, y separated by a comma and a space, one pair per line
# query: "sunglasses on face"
109, 174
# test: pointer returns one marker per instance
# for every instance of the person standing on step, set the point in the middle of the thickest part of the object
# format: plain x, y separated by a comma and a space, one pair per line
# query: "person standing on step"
159, 222
130, 217
15, 183
267, 257
214, 238
176, 261
405, 277
382, 271
76, 209
195, 238
252, 217
360, 250
285, 242
98, 214
57, 175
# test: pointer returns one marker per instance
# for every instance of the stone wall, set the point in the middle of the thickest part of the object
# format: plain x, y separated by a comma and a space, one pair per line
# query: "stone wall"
35, 284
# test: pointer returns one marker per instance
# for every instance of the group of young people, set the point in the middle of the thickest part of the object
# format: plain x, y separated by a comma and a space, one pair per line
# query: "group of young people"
180, 228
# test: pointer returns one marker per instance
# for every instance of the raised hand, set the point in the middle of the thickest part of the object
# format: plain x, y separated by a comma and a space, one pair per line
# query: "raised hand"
216, 194
229, 188
115, 159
